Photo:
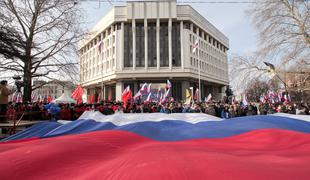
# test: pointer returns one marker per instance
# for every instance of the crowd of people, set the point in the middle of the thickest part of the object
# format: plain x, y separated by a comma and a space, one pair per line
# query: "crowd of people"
224, 109
38, 111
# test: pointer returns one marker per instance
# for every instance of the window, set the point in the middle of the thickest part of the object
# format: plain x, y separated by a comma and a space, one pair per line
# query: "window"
151, 44
140, 45
118, 26
176, 44
127, 45
194, 29
164, 54
186, 25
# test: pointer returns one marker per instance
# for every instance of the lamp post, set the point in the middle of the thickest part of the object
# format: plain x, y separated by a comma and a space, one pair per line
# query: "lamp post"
272, 69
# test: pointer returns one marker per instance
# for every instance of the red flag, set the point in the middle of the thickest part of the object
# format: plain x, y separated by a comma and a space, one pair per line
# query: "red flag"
77, 94
127, 94
92, 99
49, 99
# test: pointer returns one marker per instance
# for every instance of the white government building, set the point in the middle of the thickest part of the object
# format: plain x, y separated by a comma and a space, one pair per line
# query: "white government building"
150, 42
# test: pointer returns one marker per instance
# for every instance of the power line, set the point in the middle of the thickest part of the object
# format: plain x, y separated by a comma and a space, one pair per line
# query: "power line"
198, 2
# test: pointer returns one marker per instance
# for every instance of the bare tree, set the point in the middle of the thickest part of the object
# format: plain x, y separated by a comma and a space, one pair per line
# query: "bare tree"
244, 69
284, 30
49, 31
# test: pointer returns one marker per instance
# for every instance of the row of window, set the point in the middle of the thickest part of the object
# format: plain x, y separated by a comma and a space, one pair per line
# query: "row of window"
91, 61
202, 34
105, 44
101, 37
152, 45
212, 59
204, 47
97, 70
207, 67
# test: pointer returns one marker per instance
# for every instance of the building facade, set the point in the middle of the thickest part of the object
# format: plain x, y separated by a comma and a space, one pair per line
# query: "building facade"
150, 42
53, 88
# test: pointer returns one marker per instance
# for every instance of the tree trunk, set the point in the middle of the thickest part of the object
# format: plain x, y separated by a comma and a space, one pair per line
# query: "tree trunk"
27, 82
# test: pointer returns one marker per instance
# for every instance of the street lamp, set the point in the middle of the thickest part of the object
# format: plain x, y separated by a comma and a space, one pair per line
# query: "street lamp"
272, 69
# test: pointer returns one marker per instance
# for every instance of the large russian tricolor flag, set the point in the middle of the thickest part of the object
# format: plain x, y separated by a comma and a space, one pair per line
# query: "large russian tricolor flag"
160, 146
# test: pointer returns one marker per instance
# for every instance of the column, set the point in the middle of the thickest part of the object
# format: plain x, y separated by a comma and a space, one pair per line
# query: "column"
135, 87
133, 44
182, 42
119, 90
145, 44
103, 95
170, 42
157, 42
106, 56
121, 60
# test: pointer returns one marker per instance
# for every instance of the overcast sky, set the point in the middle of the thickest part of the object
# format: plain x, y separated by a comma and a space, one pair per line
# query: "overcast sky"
229, 18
